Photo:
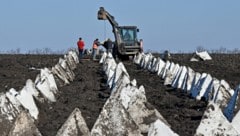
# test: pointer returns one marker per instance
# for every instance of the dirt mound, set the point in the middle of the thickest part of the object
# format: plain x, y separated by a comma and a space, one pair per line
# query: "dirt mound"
88, 92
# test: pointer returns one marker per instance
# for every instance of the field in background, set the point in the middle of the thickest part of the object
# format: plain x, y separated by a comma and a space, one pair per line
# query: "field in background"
89, 93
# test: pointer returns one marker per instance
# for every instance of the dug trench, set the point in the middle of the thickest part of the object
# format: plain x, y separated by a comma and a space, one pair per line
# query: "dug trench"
89, 93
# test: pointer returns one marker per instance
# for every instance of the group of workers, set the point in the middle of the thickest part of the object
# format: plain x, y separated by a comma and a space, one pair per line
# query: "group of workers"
108, 44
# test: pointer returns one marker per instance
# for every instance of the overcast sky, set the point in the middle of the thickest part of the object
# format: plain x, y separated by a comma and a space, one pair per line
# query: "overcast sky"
175, 25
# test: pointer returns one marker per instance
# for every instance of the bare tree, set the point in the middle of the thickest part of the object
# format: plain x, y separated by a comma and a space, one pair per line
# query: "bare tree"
200, 48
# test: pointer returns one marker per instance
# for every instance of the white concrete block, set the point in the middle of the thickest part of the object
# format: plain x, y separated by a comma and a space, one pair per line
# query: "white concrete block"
190, 77
176, 77
171, 74
158, 128
24, 126
236, 122
43, 85
161, 65
61, 74
103, 58
137, 58
182, 77
75, 125
203, 88
27, 101
46, 73
114, 120
164, 71
214, 123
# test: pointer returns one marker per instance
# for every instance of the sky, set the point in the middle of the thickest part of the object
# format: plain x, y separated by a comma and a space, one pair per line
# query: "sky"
172, 25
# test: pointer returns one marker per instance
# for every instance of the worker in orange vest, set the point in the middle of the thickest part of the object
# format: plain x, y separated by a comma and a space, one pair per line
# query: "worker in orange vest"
96, 43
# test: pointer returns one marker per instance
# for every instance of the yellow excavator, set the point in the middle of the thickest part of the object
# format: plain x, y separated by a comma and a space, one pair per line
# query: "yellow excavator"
126, 43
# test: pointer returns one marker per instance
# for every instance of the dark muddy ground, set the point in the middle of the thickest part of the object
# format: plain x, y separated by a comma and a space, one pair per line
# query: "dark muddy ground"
87, 93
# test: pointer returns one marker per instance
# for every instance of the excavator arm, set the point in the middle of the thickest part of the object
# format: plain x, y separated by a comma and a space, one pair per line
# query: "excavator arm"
104, 15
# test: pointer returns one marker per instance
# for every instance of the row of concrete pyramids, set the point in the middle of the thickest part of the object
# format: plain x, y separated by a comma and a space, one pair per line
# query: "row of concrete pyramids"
217, 93
20, 104
125, 113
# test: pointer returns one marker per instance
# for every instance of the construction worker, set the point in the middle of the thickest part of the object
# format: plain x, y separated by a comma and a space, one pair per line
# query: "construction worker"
141, 45
108, 44
96, 43
80, 45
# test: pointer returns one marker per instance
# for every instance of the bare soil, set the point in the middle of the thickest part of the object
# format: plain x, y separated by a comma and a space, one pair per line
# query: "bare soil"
88, 92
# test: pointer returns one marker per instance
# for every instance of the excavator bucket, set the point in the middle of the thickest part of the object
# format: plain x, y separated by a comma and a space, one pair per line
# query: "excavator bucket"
102, 14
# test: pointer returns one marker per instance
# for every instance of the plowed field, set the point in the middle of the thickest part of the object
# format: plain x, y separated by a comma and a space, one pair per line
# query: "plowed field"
88, 92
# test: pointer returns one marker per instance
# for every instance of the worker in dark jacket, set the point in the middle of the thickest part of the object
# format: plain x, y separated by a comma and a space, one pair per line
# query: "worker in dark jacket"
141, 45
108, 45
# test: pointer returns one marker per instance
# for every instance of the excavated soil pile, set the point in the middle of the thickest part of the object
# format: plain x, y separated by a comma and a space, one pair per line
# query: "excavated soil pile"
88, 93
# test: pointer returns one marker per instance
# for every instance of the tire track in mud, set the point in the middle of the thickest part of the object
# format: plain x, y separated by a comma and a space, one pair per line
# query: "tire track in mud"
182, 113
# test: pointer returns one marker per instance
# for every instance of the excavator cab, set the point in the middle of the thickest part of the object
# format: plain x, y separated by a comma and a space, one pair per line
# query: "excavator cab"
126, 42
128, 35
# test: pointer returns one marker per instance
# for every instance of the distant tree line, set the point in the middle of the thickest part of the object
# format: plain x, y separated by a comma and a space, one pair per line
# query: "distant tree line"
44, 51
221, 50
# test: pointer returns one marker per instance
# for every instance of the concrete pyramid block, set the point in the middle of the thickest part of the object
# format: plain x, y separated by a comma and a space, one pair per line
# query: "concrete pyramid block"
223, 94
46, 73
236, 121
75, 125
171, 74
182, 78
114, 120
204, 86
190, 77
176, 77
7, 114
43, 85
67, 69
26, 99
197, 76
135, 101
201, 56
197, 87
229, 110
60, 74
24, 126
154, 65
142, 61
214, 123
158, 128
137, 58
69, 57
74, 55
11, 95
161, 65
103, 58
164, 72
